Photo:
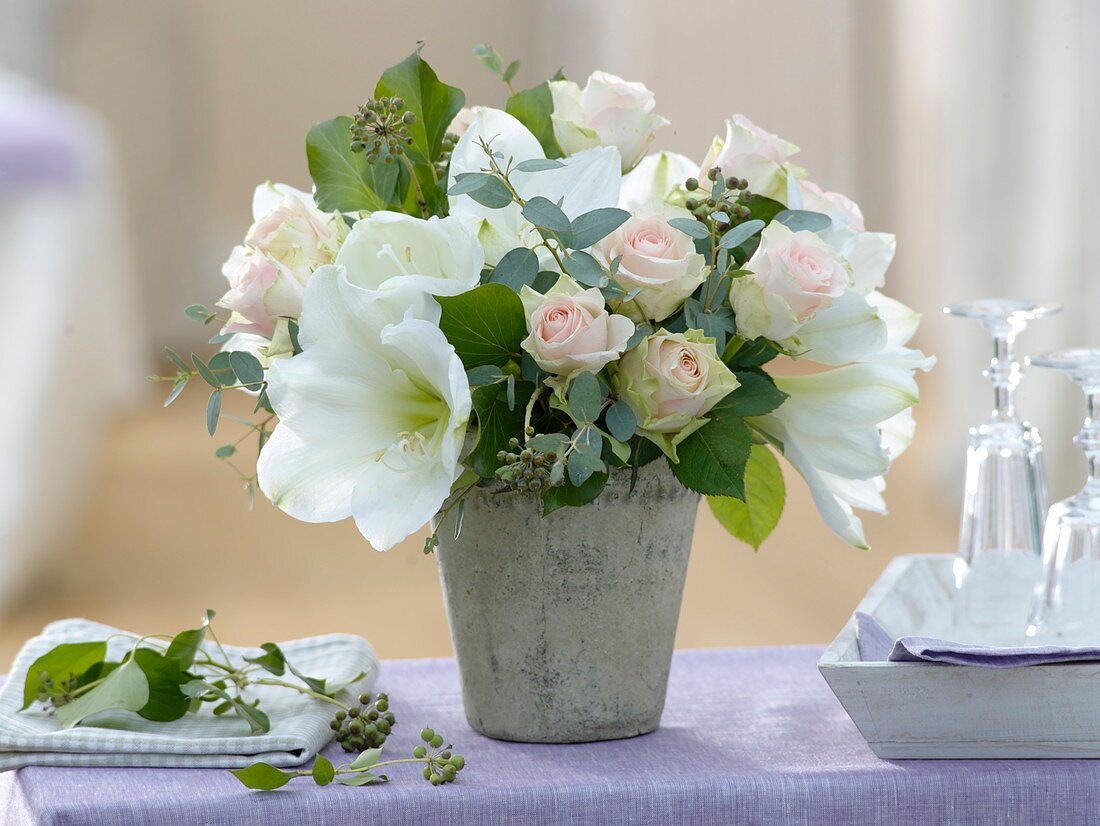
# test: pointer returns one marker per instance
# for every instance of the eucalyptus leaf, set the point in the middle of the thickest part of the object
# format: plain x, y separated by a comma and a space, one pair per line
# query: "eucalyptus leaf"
517, 269
213, 411
689, 226
205, 372
621, 421
246, 367
487, 190
538, 165
220, 366
177, 388
174, 357
801, 219
740, 234
585, 230
585, 269
545, 214
585, 398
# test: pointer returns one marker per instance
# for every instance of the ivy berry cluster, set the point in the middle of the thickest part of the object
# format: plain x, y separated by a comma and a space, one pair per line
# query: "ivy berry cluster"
380, 129
365, 726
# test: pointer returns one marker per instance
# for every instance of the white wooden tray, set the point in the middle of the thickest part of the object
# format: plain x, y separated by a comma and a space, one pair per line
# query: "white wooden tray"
927, 711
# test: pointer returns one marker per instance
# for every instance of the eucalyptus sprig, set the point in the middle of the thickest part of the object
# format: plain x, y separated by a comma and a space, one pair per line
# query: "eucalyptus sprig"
441, 765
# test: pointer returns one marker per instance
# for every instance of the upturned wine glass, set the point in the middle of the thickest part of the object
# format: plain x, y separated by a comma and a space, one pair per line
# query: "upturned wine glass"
1066, 607
1000, 533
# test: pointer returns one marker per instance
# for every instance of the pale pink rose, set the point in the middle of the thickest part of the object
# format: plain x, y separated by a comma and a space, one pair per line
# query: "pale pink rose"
298, 235
462, 121
671, 381
791, 276
570, 329
657, 259
261, 291
754, 154
814, 199
609, 111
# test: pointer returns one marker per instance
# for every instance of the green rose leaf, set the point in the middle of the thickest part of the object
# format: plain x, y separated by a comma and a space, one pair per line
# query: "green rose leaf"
485, 325
585, 230
124, 688
70, 659
801, 219
756, 396
712, 459
533, 108
271, 660
323, 771
753, 519
263, 776
434, 103
345, 181
517, 269
166, 701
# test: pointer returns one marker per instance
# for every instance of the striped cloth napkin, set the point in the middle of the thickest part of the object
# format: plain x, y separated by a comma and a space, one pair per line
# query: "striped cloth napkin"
299, 725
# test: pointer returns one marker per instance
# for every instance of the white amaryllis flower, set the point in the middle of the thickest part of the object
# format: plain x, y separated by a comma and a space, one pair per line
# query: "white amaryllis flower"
655, 179
608, 111
586, 181
841, 429
373, 411
385, 250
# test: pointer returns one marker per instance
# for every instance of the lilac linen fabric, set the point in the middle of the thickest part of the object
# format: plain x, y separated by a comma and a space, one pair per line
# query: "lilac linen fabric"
876, 645
750, 736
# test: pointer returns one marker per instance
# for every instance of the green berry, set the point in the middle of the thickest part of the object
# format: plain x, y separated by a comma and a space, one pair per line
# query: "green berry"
436, 779
436, 741
382, 704
458, 761
449, 773
340, 715
427, 734
420, 752
364, 699
427, 772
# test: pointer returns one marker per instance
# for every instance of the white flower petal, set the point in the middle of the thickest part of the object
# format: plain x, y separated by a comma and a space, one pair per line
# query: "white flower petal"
654, 179
845, 398
268, 196
848, 330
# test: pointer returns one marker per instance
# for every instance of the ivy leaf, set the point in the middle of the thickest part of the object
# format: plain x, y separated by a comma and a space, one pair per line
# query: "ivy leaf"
753, 519
366, 759
434, 103
61, 661
801, 219
345, 181
263, 776
271, 660
517, 269
585, 230
496, 424
124, 688
323, 771
364, 779
185, 646
485, 325
712, 459
163, 674
533, 108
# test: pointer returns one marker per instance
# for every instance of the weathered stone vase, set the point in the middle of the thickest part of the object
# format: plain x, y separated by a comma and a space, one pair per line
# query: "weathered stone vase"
564, 625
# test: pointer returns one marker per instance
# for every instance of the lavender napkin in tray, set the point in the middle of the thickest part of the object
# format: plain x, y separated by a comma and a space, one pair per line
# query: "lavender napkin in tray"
876, 645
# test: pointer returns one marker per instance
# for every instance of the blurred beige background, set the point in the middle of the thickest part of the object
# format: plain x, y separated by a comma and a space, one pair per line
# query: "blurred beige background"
964, 127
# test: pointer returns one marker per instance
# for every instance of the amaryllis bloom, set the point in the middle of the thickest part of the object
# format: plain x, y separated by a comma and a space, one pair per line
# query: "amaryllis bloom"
841, 429
671, 381
656, 178
585, 181
754, 154
261, 291
373, 411
657, 259
608, 111
386, 250
570, 329
791, 276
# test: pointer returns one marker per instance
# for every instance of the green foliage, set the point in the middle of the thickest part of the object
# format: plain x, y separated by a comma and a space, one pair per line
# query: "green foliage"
70, 660
545, 214
712, 459
484, 325
164, 675
585, 230
740, 234
323, 771
213, 411
517, 269
801, 219
433, 102
689, 226
621, 421
126, 688
271, 660
753, 519
533, 108
263, 776
345, 181
585, 269
488, 190
497, 422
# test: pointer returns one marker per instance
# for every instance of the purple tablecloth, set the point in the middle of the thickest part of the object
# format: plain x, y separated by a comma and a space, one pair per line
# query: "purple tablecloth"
751, 736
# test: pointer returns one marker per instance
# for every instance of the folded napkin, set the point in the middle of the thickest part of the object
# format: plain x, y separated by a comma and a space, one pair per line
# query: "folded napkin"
876, 645
299, 724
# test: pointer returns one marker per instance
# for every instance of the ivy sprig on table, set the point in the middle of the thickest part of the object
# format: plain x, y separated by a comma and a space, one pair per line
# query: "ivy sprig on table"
441, 766
164, 677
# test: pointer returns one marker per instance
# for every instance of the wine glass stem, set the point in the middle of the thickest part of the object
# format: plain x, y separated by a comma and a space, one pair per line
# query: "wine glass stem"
1089, 437
1004, 371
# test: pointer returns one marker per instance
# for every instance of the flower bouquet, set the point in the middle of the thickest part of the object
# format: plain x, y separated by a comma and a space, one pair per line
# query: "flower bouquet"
516, 325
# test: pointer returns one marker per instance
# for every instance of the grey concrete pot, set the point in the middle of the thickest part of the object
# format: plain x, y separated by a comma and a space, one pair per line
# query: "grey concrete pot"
564, 626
